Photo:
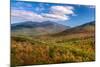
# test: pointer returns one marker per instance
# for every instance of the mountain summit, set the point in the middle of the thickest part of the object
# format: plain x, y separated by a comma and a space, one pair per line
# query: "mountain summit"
37, 28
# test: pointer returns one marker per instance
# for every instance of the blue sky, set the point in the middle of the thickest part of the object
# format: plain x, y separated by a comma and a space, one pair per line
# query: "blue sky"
66, 14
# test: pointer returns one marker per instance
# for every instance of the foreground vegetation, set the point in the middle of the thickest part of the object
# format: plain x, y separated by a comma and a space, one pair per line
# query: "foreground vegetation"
49, 49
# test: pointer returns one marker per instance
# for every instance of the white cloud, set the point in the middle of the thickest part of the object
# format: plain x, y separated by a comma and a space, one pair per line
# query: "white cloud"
55, 14
59, 13
61, 10
26, 15
56, 17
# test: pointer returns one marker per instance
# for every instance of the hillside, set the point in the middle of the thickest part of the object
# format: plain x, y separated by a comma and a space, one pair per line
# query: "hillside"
84, 28
72, 45
37, 28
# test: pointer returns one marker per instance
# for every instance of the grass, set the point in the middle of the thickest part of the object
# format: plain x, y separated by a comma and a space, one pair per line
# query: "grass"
49, 49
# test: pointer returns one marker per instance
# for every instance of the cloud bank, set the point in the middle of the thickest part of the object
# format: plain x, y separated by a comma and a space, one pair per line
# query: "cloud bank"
55, 14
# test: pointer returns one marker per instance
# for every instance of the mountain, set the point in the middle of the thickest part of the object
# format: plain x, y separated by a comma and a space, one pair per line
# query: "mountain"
36, 28
84, 28
75, 44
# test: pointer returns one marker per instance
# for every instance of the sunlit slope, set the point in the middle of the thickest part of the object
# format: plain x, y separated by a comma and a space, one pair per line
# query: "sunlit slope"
73, 45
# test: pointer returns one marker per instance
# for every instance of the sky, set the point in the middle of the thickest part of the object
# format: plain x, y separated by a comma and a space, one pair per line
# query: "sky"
66, 14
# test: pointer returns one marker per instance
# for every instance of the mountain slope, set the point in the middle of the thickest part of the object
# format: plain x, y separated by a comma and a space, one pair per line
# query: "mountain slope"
73, 45
84, 28
36, 28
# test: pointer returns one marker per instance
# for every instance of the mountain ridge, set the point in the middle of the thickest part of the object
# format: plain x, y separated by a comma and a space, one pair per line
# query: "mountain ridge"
84, 28
37, 28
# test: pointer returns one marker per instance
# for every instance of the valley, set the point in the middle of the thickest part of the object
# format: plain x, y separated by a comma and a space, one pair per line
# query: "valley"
65, 46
